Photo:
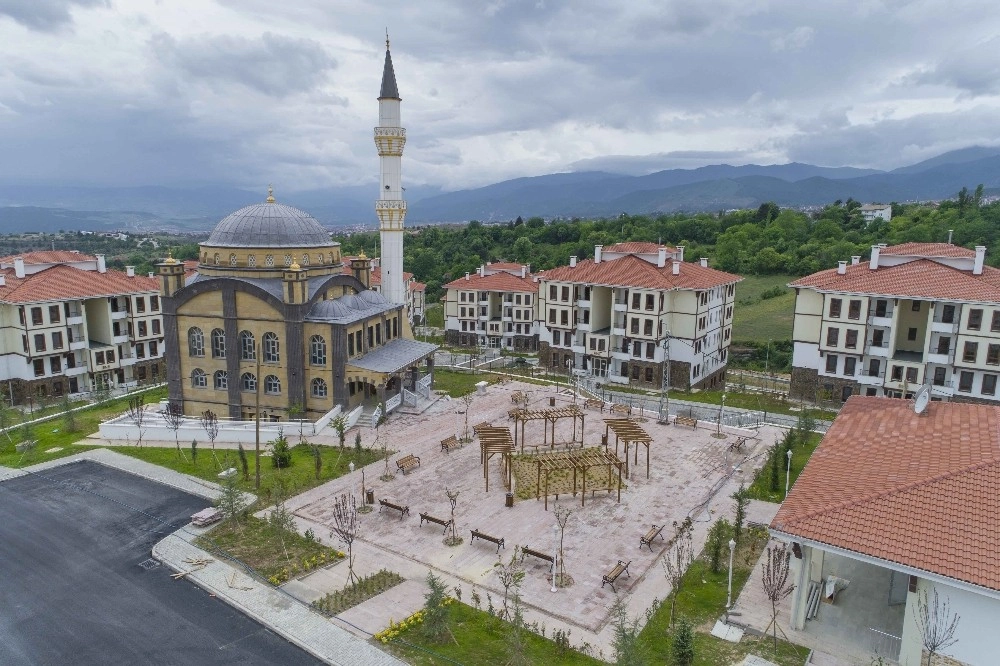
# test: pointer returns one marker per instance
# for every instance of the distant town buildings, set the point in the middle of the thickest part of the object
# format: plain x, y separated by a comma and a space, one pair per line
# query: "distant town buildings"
71, 325
872, 211
913, 314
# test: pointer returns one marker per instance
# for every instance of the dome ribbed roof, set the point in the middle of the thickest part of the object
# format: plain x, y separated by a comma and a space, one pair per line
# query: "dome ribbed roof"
269, 225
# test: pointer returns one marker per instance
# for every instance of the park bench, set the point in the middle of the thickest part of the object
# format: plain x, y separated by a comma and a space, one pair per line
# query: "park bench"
540, 555
738, 444
517, 397
647, 539
594, 403
476, 534
402, 508
446, 523
610, 577
689, 421
407, 462
621, 409
451, 443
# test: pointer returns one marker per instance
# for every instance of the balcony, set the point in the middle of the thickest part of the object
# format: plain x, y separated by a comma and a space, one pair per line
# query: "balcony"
878, 352
579, 349
120, 314
78, 343
620, 307
128, 360
119, 339
583, 326
940, 359
615, 330
946, 389
884, 322
944, 327
74, 318
73, 372
871, 380
621, 354
582, 303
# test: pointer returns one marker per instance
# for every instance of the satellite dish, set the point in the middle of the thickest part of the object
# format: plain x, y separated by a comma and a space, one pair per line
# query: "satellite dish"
921, 399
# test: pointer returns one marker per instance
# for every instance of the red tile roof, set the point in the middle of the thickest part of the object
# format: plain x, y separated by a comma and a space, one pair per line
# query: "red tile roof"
917, 490
63, 282
928, 250
921, 278
631, 271
416, 286
496, 282
504, 266
48, 257
636, 247
376, 272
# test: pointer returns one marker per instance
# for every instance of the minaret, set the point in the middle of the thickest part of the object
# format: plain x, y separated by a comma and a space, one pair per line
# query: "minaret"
390, 207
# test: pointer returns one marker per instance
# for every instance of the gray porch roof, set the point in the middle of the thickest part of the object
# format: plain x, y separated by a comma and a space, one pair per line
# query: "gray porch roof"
394, 355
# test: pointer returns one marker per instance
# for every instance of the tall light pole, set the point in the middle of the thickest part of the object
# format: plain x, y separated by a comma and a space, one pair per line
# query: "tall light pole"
555, 555
256, 419
664, 416
729, 593
718, 427
788, 472
767, 356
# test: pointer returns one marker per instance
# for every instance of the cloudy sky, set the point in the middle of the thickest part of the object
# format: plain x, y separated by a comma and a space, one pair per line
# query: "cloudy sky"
245, 92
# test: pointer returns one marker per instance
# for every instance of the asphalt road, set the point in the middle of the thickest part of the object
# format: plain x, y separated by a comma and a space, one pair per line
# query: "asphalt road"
72, 590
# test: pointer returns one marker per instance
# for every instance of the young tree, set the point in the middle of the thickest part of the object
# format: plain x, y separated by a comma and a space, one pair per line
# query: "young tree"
210, 424
69, 416
317, 461
775, 583
435, 626
936, 623
232, 502
296, 412
774, 467
136, 413
683, 643
244, 463
382, 442
194, 451
281, 521
340, 425
515, 638
346, 527
511, 574
281, 455
562, 514
173, 416
718, 535
742, 499
467, 400
454, 539
629, 651
677, 560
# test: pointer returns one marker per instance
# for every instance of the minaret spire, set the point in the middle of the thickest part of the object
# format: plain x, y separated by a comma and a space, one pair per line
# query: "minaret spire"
390, 207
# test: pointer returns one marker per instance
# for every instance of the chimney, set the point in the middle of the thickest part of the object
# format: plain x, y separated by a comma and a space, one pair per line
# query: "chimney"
661, 257
466, 275
598, 251
19, 267
101, 266
950, 232
3, 280
873, 263
524, 271
482, 271
841, 268
704, 262
572, 262
676, 268
680, 253
151, 274
977, 268
130, 271
855, 260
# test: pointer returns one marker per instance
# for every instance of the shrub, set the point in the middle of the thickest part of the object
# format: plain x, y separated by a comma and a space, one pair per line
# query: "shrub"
281, 454
683, 643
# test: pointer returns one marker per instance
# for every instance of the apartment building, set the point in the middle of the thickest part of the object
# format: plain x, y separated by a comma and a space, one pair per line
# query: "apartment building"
416, 292
494, 307
914, 314
70, 325
635, 309
871, 212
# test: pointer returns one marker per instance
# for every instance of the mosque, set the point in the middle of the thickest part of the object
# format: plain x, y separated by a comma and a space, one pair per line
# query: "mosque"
272, 319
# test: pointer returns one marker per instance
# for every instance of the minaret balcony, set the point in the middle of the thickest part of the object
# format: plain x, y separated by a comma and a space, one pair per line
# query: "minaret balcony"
390, 141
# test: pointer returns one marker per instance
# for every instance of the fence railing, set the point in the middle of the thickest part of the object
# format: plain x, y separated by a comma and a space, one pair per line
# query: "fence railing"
376, 416
409, 398
884, 644
393, 402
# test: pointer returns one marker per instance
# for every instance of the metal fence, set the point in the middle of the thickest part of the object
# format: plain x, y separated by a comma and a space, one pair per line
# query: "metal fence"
883, 644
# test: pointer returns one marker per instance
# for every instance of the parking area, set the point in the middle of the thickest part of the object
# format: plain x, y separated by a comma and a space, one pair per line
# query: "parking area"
79, 585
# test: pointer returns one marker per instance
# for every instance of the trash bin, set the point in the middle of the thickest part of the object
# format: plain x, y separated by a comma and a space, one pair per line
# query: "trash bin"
552, 402
604, 440
369, 496
509, 500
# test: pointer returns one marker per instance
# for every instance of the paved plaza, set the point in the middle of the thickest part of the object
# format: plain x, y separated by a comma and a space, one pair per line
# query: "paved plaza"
691, 472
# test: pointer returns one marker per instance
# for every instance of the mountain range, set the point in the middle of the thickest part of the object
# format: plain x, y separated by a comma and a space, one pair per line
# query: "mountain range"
41, 207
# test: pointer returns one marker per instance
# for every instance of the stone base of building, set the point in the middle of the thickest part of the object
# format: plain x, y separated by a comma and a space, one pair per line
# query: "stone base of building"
42, 391
804, 384
973, 401
807, 384
520, 343
715, 380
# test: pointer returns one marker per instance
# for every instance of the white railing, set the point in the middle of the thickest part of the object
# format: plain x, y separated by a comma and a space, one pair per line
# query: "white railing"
376, 415
424, 385
885, 645
355, 414
393, 402
409, 398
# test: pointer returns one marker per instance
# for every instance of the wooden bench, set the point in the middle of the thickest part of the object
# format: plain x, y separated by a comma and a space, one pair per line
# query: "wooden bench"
540, 555
476, 534
738, 444
407, 462
610, 577
621, 409
451, 443
689, 421
647, 539
431, 519
594, 403
402, 508
517, 397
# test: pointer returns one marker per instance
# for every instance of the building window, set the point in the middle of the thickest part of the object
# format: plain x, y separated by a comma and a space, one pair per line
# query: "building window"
54, 314
271, 354
965, 382
248, 382
831, 363
897, 373
635, 372
269, 260
635, 301
975, 319
969, 352
39, 342
196, 342
232, 259
248, 347
272, 385
878, 337
305, 259
634, 326
835, 305
57, 340
553, 292
939, 374
218, 343
854, 310
915, 306
851, 339
198, 378
881, 307
217, 258
649, 374
288, 260
140, 350
220, 380
39, 366
317, 350
650, 302
849, 366
565, 294
564, 317
948, 314
252, 261
140, 304
832, 336
650, 349
647, 328
944, 345
995, 321
989, 384
154, 303
911, 376
55, 364
142, 329
552, 315
911, 334
993, 355
152, 348
36, 316
318, 388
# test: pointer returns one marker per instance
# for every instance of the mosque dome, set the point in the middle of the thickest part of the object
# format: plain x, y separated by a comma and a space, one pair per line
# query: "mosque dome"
269, 224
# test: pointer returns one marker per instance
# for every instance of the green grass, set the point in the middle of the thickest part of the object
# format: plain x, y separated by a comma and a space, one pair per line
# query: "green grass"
758, 401
434, 315
479, 639
762, 320
761, 486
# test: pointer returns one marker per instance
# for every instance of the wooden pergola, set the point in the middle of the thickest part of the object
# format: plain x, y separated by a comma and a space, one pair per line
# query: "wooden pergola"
493, 440
579, 463
628, 432
550, 416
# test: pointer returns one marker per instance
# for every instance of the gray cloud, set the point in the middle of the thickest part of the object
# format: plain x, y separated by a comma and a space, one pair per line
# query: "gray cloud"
974, 70
636, 165
44, 15
275, 65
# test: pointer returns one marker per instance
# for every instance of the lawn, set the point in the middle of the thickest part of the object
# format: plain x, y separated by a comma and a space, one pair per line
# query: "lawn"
801, 452
759, 320
750, 400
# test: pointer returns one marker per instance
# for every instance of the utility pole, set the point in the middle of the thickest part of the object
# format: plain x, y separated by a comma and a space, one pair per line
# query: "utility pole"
664, 417
256, 416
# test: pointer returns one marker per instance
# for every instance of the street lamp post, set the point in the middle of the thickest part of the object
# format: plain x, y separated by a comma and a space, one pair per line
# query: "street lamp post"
555, 555
788, 472
722, 407
350, 466
729, 593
